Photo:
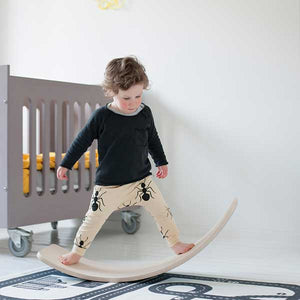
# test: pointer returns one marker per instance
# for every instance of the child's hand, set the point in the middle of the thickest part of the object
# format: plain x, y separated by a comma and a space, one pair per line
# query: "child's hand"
162, 171
61, 173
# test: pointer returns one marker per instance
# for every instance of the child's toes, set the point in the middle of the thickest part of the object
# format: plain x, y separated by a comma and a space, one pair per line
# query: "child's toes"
187, 248
191, 246
63, 260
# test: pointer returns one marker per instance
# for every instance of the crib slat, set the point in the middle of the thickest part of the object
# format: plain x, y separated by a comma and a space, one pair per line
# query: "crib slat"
32, 147
46, 124
70, 133
70, 137
58, 141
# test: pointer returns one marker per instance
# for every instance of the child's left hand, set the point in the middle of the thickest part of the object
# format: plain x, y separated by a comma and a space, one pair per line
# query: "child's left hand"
162, 171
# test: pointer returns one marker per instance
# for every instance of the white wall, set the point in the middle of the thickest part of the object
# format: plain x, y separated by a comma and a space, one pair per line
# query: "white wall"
225, 93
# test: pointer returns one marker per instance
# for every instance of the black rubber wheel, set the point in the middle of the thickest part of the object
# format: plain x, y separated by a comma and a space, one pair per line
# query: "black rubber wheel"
54, 225
133, 227
24, 248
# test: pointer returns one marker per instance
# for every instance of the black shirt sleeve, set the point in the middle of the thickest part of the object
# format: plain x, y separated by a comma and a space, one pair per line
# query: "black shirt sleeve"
155, 147
83, 140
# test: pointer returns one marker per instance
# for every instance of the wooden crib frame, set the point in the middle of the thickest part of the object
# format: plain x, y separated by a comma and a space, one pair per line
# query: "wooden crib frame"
15, 208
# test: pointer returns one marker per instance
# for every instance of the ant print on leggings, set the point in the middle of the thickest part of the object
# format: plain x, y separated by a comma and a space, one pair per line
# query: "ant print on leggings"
82, 243
144, 192
169, 214
125, 205
164, 234
97, 201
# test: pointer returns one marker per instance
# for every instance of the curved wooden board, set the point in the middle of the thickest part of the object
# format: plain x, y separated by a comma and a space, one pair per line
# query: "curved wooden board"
99, 271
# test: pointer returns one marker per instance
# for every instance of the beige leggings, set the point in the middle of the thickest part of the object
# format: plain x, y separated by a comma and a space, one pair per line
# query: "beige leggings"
107, 199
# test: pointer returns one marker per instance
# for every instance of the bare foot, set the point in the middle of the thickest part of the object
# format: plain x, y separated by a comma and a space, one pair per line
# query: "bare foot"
70, 258
180, 248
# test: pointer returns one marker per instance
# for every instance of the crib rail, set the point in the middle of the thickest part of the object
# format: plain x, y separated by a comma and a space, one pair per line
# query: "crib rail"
55, 101
4, 73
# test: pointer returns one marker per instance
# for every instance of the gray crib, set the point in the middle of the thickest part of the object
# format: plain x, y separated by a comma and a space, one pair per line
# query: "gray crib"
48, 199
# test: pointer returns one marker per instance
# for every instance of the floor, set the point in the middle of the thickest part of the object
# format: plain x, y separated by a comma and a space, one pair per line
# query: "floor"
251, 258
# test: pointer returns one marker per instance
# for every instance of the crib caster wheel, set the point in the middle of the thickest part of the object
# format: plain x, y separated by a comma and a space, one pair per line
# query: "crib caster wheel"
131, 227
22, 249
20, 241
54, 225
130, 222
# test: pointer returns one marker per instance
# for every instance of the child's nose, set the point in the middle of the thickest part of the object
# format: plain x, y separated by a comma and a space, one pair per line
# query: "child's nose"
132, 103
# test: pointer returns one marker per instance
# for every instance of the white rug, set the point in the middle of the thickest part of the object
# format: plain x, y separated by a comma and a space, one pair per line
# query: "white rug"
51, 284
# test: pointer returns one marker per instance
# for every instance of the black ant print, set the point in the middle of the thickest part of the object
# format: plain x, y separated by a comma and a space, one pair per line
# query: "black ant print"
127, 205
169, 212
96, 201
83, 219
164, 235
81, 243
144, 192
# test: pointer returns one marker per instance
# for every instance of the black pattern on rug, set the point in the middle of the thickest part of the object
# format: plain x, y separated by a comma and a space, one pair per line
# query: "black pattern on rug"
52, 284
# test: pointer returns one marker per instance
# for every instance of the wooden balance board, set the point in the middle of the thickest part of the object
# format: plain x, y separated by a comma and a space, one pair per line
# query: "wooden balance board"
99, 271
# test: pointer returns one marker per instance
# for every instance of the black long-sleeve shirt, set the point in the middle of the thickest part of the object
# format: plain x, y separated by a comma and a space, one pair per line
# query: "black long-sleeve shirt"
124, 143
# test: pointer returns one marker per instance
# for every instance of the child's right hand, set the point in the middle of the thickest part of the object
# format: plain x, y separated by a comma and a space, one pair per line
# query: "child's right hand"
61, 173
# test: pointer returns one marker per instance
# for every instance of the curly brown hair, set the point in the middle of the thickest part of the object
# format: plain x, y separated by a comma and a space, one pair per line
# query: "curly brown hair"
122, 73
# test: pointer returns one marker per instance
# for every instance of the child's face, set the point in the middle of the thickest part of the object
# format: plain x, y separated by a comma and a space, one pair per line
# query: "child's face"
128, 101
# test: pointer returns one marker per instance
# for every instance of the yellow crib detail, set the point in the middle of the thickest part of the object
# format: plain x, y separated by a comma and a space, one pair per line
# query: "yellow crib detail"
39, 165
